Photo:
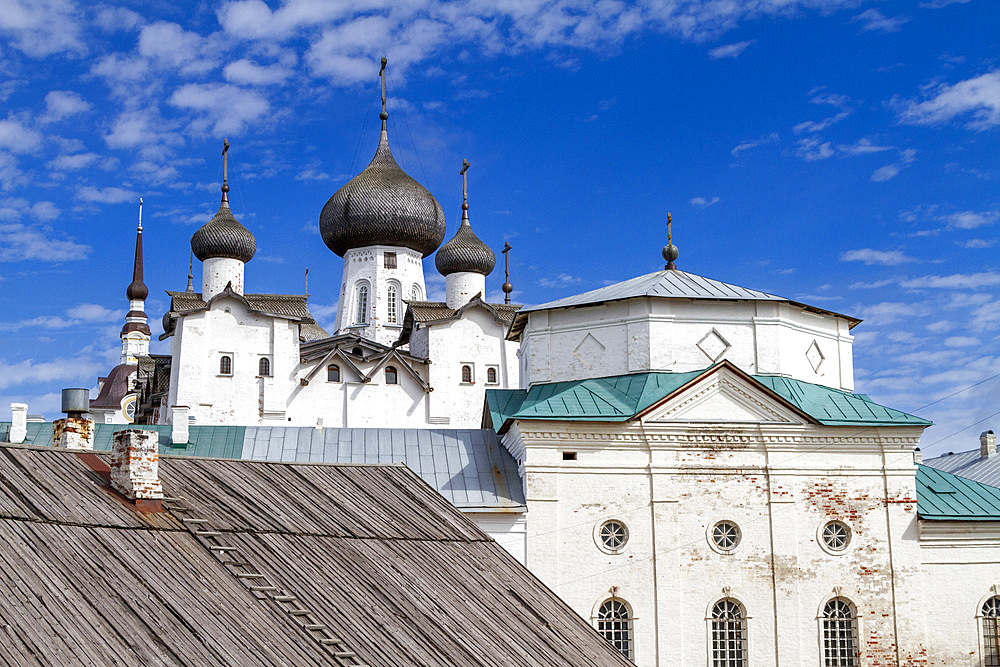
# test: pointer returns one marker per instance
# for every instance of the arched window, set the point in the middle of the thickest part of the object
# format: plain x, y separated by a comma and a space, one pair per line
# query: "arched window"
415, 292
466, 373
840, 634
729, 634
615, 623
362, 301
391, 376
225, 365
393, 309
491, 375
991, 632
264, 367
333, 373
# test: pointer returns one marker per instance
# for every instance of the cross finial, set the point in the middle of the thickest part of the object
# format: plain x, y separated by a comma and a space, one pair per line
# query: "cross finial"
465, 190
384, 115
140, 216
225, 169
507, 287
670, 251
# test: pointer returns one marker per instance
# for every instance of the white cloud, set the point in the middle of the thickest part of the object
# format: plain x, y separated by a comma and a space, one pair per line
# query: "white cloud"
841, 102
971, 219
116, 19
170, 46
703, 202
79, 161
34, 242
979, 243
812, 149
938, 4
62, 104
16, 209
874, 20
729, 50
561, 280
145, 130
92, 312
954, 281
27, 371
885, 173
110, 195
18, 138
876, 257
978, 96
225, 108
887, 312
862, 147
248, 72
747, 145
961, 341
41, 28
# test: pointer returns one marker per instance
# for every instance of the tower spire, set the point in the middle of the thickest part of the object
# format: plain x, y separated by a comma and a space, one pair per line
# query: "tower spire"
225, 171
507, 287
670, 251
383, 115
190, 286
135, 333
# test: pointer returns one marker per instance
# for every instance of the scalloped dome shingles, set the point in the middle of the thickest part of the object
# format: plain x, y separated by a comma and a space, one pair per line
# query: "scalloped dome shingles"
465, 252
382, 205
224, 236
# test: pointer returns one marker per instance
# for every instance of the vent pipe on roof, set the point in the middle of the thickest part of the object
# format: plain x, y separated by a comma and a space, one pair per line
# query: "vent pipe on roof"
987, 444
75, 431
918, 456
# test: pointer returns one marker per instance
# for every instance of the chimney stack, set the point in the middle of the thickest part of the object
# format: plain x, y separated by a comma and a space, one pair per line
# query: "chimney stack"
180, 421
987, 444
18, 422
74, 431
918, 456
135, 463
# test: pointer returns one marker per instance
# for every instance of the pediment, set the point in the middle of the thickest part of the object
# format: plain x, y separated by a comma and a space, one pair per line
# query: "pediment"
723, 397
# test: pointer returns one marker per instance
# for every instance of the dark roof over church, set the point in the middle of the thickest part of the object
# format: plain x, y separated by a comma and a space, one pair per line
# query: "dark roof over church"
264, 564
382, 205
115, 387
289, 306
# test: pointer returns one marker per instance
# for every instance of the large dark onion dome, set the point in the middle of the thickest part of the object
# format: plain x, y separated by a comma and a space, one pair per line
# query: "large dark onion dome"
224, 236
382, 206
465, 252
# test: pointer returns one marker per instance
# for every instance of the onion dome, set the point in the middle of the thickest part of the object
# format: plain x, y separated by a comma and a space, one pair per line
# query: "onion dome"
223, 235
382, 205
465, 252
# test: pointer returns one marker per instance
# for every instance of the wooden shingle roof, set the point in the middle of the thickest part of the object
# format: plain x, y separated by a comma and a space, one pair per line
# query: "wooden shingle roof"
377, 558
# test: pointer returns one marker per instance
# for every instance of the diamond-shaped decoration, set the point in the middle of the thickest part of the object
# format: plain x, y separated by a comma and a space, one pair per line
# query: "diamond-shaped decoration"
589, 351
815, 356
713, 345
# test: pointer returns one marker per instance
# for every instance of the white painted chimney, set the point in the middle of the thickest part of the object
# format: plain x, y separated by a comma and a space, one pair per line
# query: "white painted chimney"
179, 433
135, 463
918, 456
987, 444
18, 422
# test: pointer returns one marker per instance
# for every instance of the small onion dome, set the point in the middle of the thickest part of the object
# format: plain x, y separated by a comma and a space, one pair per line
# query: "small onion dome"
224, 236
137, 290
382, 206
465, 253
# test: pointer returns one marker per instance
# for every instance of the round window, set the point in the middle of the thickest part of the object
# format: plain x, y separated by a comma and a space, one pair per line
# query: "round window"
726, 535
613, 535
836, 535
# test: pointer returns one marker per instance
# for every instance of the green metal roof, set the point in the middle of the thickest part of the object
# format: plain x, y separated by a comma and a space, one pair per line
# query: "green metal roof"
622, 397
942, 496
208, 441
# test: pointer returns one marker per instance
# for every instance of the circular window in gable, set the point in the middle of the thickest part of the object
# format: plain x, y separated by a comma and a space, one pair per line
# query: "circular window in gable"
612, 536
725, 536
835, 536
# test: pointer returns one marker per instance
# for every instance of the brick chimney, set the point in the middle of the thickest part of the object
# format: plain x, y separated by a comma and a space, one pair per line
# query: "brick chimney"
75, 430
987, 444
135, 462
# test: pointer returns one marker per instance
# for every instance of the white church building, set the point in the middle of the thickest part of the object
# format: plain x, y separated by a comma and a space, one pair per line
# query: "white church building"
684, 461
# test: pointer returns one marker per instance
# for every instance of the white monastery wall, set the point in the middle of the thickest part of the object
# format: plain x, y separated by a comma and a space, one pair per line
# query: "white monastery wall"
217, 272
509, 529
367, 267
680, 335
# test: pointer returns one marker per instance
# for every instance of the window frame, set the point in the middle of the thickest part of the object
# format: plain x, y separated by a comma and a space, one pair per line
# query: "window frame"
389, 260
261, 363
821, 537
361, 303
495, 370
392, 303
395, 375
741, 621
619, 625
599, 536
472, 372
982, 618
336, 368
854, 627
710, 534
224, 358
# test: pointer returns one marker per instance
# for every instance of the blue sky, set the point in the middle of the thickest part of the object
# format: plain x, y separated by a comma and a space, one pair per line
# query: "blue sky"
837, 152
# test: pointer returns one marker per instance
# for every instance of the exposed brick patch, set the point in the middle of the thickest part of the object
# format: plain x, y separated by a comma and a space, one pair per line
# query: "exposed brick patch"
135, 461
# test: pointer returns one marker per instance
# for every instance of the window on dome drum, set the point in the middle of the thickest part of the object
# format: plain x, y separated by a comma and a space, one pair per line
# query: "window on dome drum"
613, 535
615, 623
362, 301
393, 310
391, 376
729, 634
466, 374
836, 535
225, 365
333, 373
491, 375
390, 260
991, 632
264, 367
415, 293
726, 535
840, 634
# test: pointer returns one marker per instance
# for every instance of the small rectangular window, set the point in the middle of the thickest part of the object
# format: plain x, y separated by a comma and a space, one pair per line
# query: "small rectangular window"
569, 456
390, 260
